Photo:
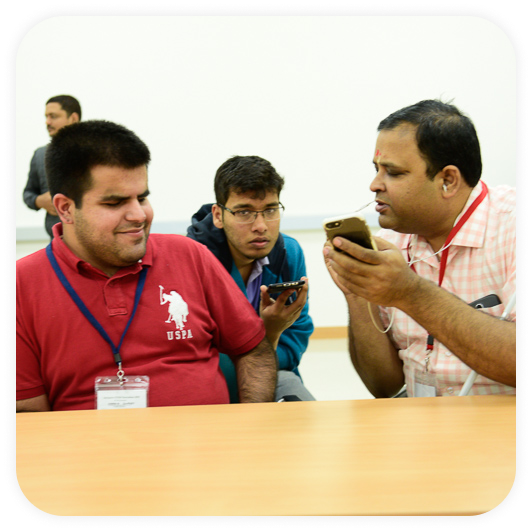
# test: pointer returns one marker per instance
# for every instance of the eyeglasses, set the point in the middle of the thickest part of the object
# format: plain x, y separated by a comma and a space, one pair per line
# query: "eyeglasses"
245, 216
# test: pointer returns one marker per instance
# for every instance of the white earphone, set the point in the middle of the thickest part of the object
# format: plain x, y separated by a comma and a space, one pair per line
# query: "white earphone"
445, 187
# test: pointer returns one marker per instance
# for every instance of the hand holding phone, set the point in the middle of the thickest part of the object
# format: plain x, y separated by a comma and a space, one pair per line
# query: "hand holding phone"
281, 305
353, 227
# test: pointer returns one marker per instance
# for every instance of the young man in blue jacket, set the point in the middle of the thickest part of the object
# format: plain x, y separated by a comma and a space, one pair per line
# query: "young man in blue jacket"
242, 230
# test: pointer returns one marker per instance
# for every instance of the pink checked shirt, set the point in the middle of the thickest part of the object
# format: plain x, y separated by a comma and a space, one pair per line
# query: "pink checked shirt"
481, 261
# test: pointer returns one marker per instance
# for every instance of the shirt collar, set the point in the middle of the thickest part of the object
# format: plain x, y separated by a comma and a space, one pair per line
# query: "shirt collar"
473, 232
257, 268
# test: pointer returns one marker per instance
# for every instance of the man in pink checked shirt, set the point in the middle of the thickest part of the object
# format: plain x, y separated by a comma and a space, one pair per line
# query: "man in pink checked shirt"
447, 240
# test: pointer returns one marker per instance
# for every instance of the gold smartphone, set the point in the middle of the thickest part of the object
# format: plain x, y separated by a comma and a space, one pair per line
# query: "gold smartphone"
350, 226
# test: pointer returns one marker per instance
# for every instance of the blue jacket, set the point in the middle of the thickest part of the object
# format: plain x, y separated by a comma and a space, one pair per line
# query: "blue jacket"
287, 263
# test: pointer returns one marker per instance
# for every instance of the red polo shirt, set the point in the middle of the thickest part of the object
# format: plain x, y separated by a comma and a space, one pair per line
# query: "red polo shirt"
174, 338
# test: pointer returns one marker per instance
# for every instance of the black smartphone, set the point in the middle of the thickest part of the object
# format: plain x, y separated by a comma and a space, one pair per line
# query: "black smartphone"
486, 302
277, 288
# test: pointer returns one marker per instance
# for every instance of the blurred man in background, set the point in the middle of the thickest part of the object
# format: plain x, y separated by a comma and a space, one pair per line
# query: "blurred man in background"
60, 111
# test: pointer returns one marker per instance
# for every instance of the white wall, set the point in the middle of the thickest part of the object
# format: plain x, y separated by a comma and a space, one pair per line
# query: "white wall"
306, 93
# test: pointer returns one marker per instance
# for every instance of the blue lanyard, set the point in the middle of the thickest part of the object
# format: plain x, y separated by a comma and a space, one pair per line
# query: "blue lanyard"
86, 312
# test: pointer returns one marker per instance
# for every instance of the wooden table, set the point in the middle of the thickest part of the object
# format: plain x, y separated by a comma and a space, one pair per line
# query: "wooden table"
444, 455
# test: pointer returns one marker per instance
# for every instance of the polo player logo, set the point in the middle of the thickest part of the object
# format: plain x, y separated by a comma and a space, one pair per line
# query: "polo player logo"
177, 308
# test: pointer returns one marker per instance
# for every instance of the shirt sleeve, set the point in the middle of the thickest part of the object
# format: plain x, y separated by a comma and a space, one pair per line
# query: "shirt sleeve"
238, 328
29, 380
33, 185
509, 287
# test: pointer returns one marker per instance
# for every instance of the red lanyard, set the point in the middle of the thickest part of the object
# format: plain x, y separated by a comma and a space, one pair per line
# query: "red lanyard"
445, 252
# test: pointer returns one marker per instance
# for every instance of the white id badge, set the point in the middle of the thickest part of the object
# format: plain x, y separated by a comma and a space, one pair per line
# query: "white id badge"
424, 384
130, 392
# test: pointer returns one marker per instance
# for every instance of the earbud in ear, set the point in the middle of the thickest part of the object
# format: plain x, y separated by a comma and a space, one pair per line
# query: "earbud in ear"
445, 187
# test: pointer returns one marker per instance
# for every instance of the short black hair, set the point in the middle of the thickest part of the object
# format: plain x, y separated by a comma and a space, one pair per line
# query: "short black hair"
67, 103
445, 136
76, 149
242, 174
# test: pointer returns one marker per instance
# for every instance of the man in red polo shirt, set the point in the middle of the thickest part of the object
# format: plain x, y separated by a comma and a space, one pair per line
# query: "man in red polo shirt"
106, 298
